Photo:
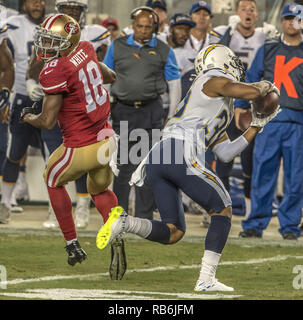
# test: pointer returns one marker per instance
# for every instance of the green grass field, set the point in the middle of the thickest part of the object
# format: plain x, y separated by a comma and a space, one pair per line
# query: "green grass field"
36, 268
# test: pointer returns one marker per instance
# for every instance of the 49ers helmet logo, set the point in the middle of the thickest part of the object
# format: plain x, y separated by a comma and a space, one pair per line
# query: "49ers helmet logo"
71, 27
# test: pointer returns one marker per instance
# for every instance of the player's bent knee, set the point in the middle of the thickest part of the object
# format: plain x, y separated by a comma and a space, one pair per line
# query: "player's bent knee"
227, 212
175, 234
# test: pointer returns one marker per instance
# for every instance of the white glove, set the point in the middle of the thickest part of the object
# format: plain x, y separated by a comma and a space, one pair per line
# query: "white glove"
34, 90
266, 87
233, 22
261, 122
269, 30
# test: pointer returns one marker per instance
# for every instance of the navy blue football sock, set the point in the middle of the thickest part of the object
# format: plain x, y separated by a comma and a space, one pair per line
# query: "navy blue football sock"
22, 168
160, 232
217, 234
81, 185
10, 171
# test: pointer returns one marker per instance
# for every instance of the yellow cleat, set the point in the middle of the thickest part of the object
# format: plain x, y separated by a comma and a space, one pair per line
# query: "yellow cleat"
112, 228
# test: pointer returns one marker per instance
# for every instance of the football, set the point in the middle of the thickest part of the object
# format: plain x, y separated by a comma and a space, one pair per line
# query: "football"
266, 105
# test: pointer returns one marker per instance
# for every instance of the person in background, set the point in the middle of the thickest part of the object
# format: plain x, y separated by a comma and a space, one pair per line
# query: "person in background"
145, 66
19, 31
112, 26
159, 6
279, 60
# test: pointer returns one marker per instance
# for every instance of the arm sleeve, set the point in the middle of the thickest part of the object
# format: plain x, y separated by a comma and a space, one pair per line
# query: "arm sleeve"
171, 69
54, 80
253, 74
174, 95
227, 150
109, 57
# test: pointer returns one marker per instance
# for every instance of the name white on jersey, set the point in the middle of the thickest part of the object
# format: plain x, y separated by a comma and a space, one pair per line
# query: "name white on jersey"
200, 119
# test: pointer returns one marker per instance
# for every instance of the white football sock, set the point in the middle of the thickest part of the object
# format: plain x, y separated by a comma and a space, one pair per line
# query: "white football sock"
209, 265
70, 241
7, 190
138, 226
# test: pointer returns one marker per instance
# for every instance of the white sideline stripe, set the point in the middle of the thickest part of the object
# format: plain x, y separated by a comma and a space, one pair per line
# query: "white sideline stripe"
99, 294
195, 266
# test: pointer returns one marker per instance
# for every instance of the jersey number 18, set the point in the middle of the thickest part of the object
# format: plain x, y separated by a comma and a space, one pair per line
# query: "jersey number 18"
92, 81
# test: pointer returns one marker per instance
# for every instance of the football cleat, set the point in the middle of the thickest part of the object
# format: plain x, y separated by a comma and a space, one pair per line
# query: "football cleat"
211, 285
114, 226
75, 253
4, 214
14, 205
118, 263
82, 212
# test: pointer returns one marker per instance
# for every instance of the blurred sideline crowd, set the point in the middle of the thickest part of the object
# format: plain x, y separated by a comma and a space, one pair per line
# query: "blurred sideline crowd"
186, 33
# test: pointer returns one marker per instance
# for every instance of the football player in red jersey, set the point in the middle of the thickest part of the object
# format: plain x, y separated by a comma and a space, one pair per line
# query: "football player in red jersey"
72, 80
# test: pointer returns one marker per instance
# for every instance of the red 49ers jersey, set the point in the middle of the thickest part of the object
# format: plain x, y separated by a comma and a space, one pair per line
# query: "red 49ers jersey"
85, 107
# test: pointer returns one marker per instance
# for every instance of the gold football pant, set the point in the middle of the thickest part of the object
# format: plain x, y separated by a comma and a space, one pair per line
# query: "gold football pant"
68, 164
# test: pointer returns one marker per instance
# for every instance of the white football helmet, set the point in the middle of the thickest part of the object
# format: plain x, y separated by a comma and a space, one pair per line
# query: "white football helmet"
218, 56
79, 3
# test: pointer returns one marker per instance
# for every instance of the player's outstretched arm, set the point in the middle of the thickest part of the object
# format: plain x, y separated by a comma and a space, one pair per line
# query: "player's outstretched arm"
109, 76
221, 86
47, 119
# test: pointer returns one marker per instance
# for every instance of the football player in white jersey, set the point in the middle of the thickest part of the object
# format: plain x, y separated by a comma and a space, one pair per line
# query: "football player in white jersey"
176, 163
244, 39
179, 27
99, 37
19, 31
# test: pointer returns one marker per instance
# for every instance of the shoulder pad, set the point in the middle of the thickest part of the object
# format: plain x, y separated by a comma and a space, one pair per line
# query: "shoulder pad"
97, 32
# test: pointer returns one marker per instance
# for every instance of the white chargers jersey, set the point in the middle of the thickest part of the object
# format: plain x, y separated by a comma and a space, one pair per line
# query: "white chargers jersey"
245, 47
185, 62
96, 35
19, 31
200, 119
